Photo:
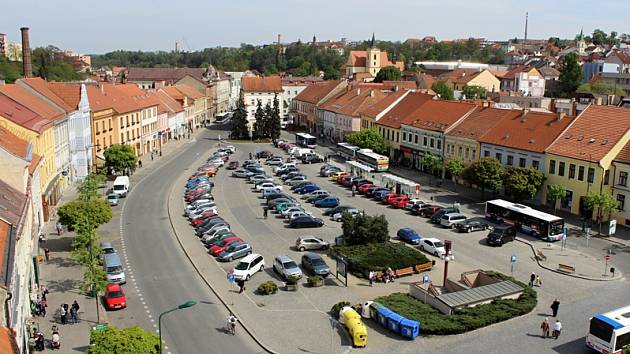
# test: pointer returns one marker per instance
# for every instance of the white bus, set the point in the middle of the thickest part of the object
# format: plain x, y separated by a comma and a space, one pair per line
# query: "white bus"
526, 220
347, 151
305, 140
378, 162
609, 332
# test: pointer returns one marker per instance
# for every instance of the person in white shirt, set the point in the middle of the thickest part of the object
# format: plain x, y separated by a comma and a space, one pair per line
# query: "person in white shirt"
557, 328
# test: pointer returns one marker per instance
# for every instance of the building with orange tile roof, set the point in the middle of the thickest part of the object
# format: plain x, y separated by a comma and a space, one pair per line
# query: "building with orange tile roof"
306, 102
170, 116
369, 61
460, 78
581, 158
426, 130
263, 89
524, 79
149, 125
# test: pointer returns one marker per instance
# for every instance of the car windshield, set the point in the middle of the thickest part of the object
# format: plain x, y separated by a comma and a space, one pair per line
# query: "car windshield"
290, 265
114, 269
112, 196
438, 244
119, 187
318, 262
117, 293
108, 250
242, 266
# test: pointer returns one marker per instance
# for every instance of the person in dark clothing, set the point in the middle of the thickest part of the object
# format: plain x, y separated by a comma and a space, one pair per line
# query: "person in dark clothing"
139, 163
265, 211
241, 285
532, 279
555, 305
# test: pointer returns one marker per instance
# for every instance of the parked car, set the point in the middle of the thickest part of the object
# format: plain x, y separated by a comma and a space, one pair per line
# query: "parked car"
275, 161
409, 235
501, 234
280, 207
249, 266
412, 203
302, 184
315, 193
304, 243
235, 251
260, 178
362, 189
286, 212
389, 198
379, 194
337, 209
233, 165
427, 210
210, 235
272, 204
400, 202
375, 189
433, 246
114, 297
307, 189
306, 221
209, 242
264, 154
470, 225
437, 216
297, 214
239, 173
221, 246
202, 217
295, 180
107, 248
337, 217
317, 197
452, 219
335, 175
328, 171
112, 199
328, 202
261, 186
315, 264
286, 267
312, 158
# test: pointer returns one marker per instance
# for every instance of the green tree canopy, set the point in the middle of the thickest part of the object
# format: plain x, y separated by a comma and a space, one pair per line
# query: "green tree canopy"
331, 73
240, 129
260, 122
70, 213
570, 75
487, 173
474, 92
433, 162
368, 139
443, 90
131, 340
604, 203
364, 229
555, 192
274, 119
120, 157
455, 167
388, 73
522, 183
602, 88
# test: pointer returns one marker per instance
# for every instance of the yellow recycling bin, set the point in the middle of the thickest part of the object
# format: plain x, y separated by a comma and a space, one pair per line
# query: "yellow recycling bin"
355, 326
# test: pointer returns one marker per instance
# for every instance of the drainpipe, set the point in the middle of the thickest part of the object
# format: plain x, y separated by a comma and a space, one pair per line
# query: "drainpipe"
6, 308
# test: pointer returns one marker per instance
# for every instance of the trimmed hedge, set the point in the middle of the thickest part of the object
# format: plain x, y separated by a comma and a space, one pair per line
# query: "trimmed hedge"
433, 322
267, 288
379, 256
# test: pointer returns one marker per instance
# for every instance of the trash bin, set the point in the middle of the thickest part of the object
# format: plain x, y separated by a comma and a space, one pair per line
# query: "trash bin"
393, 322
409, 328
374, 306
382, 313
365, 309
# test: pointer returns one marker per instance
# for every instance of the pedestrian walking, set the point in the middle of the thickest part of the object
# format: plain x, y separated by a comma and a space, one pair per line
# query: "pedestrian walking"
59, 228
371, 278
354, 190
456, 205
43, 303
532, 279
62, 314
545, 328
73, 315
265, 211
250, 155
139, 163
76, 307
151, 155
47, 254
557, 328
555, 305
241, 285
538, 280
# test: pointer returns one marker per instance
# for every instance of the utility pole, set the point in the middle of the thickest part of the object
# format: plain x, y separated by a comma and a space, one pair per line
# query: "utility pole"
526, 20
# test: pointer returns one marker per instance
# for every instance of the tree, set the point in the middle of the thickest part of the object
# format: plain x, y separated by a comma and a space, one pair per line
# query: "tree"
240, 128
474, 92
443, 90
129, 340
388, 73
70, 213
368, 139
274, 119
120, 157
522, 183
555, 192
570, 74
455, 167
433, 163
260, 121
487, 173
331, 73
603, 202
363, 229
601, 88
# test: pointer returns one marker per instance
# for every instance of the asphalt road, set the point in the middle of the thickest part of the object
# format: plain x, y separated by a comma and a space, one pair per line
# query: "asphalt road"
164, 275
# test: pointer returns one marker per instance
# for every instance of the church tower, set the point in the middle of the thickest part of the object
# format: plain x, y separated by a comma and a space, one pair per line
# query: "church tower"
581, 44
373, 58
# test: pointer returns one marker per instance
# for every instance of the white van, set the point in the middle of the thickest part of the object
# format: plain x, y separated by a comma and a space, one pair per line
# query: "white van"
121, 186
449, 220
248, 266
302, 151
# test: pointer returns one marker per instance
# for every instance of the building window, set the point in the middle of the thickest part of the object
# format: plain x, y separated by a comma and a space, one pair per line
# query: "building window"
606, 177
460, 151
580, 173
499, 156
522, 162
552, 167
561, 169
424, 141
591, 175
438, 144
621, 199
536, 164
416, 139
388, 134
510, 160
623, 179
571, 171
486, 153
397, 137
404, 136
432, 142
474, 153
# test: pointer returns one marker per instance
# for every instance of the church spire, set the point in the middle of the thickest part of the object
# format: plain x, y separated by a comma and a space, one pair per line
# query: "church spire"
373, 41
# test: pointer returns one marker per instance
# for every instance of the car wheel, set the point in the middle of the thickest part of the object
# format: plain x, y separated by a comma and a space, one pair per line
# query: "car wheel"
247, 277
230, 259
301, 249
435, 253
262, 267
468, 230
422, 247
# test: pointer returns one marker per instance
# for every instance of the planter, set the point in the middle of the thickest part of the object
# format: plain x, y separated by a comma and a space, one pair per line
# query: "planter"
291, 287
315, 281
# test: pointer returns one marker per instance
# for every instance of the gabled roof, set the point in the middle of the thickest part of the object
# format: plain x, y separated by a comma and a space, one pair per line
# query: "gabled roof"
462, 76
517, 70
402, 112
261, 84
530, 131
354, 99
548, 72
22, 116
12, 204
317, 91
98, 100
359, 59
163, 74
169, 102
425, 81
479, 122
623, 57
137, 94
36, 104
379, 106
41, 86
173, 92
624, 155
69, 93
107, 96
593, 133
14, 145
189, 91
438, 115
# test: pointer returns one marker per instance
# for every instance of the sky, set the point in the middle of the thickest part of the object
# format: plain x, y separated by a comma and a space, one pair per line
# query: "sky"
95, 27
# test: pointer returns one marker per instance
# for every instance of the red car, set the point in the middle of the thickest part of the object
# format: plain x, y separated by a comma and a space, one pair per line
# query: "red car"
364, 188
114, 297
400, 202
428, 211
389, 197
215, 250
202, 217
343, 178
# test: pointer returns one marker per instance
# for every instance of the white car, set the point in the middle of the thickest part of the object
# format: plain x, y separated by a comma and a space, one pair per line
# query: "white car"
315, 194
433, 246
211, 233
264, 185
190, 209
297, 214
230, 147
353, 212
197, 202
217, 162
290, 210
275, 161
249, 266
283, 167
239, 173
194, 214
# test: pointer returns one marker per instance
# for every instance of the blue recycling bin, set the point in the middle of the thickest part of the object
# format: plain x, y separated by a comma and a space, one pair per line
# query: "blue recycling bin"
374, 310
409, 328
382, 314
393, 322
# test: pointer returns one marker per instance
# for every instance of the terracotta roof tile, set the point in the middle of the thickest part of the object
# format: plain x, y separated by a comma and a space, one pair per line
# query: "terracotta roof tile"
359, 59
379, 106
402, 112
317, 91
261, 84
98, 100
12, 204
14, 145
480, 121
438, 115
594, 132
624, 155
190, 92
354, 99
169, 101
29, 100
22, 116
531, 131
41, 86
174, 93
163, 74
139, 95
7, 341
69, 93
459, 75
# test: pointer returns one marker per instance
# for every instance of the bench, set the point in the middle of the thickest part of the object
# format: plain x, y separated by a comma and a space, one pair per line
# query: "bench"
566, 268
541, 256
423, 267
404, 271
379, 277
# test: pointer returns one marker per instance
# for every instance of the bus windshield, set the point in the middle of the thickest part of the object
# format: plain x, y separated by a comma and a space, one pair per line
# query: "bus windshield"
306, 140
601, 329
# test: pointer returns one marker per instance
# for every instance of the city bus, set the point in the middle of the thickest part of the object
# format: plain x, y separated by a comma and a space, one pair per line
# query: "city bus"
378, 162
347, 151
526, 220
305, 140
609, 332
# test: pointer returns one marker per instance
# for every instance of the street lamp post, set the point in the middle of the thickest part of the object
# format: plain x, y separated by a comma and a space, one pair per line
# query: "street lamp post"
186, 304
160, 137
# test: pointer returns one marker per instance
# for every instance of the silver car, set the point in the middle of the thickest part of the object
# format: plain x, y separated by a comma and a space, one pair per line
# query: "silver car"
235, 251
286, 267
112, 199
304, 243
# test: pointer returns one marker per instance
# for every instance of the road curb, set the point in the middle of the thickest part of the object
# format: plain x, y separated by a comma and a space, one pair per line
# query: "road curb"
208, 283
618, 275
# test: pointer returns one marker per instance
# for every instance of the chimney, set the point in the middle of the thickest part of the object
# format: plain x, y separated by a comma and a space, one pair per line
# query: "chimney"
524, 115
561, 115
26, 53
372, 93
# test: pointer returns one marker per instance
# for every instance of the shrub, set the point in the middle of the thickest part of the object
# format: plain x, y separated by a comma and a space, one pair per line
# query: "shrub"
311, 281
292, 280
267, 288
337, 307
377, 257
464, 320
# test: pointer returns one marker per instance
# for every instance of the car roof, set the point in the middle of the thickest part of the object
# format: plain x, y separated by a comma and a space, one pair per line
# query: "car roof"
284, 259
113, 286
432, 239
408, 229
312, 255
454, 214
250, 258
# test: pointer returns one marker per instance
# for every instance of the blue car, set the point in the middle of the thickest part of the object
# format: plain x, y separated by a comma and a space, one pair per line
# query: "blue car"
302, 185
307, 189
378, 195
328, 202
409, 235
196, 181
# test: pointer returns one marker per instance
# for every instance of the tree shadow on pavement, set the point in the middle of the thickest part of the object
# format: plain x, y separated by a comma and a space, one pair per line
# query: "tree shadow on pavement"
61, 262
58, 244
66, 285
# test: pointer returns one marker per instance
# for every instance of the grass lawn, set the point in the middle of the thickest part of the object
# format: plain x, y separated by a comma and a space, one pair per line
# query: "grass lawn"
379, 256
